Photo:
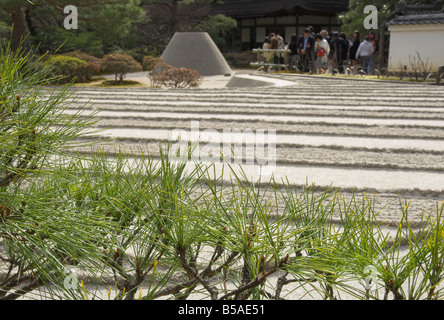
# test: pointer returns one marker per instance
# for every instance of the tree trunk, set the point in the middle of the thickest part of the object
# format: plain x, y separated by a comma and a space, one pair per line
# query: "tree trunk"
31, 27
382, 48
104, 47
173, 20
19, 29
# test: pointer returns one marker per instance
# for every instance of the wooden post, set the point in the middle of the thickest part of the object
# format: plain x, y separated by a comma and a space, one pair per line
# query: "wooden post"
438, 74
381, 48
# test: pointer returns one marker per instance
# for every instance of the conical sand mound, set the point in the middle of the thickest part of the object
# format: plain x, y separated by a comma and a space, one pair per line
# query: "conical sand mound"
197, 51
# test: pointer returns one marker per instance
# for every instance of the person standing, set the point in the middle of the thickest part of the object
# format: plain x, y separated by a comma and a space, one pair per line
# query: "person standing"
266, 44
324, 34
375, 44
345, 53
312, 32
365, 51
306, 46
281, 46
353, 49
293, 47
274, 46
266, 56
342, 51
332, 57
322, 50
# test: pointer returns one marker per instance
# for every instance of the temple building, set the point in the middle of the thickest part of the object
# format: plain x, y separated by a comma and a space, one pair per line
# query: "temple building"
416, 30
258, 18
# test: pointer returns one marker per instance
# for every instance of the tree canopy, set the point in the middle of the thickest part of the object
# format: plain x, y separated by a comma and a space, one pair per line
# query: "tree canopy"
104, 25
165, 17
106, 21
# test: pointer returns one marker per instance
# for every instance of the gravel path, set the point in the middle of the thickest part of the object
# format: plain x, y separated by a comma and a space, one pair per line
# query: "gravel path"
383, 138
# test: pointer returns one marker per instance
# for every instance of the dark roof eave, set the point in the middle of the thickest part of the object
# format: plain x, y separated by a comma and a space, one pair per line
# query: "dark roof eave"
418, 19
248, 9
275, 14
417, 15
412, 23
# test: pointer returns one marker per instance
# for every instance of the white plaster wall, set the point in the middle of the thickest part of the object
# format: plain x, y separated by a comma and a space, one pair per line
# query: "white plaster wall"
405, 41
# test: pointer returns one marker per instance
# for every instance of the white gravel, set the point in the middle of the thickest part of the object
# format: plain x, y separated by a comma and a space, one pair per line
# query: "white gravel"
382, 137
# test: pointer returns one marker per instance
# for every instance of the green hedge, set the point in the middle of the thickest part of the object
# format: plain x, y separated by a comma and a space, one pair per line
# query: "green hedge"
94, 64
68, 68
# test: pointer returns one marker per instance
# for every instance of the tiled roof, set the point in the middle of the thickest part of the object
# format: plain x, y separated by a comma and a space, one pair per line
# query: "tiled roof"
431, 18
418, 15
419, 9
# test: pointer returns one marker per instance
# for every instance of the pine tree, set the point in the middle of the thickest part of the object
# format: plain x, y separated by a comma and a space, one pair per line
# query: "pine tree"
109, 19
165, 17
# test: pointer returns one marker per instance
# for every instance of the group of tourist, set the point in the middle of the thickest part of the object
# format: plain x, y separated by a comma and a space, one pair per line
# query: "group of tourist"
323, 52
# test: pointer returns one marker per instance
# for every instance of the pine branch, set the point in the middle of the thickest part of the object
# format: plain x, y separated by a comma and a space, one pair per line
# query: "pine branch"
256, 282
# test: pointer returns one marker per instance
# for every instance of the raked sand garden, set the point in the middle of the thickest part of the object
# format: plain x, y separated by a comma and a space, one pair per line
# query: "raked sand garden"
377, 144
379, 137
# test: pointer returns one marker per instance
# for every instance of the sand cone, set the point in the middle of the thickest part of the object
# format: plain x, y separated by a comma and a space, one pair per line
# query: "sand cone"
196, 51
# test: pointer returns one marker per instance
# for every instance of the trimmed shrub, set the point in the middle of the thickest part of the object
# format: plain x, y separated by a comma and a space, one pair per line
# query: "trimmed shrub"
150, 62
177, 78
95, 65
120, 65
68, 68
155, 74
163, 74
